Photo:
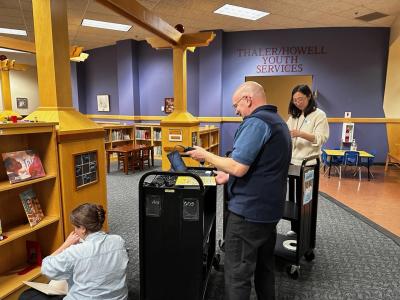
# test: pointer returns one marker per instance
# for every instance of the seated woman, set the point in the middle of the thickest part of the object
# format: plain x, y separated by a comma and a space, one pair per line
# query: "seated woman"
93, 262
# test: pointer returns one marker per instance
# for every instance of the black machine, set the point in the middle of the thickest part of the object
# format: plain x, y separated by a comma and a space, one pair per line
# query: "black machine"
301, 208
177, 226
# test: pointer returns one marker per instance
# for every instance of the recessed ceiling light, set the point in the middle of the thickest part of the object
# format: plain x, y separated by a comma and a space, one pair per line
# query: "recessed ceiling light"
241, 12
12, 50
12, 31
106, 25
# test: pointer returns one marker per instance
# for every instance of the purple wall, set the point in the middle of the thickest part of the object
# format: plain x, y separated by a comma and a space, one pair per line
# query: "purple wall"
74, 86
127, 77
348, 66
101, 78
210, 78
193, 82
155, 79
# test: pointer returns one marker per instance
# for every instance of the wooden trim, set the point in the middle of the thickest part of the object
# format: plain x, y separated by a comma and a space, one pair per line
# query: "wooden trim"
364, 120
239, 119
79, 135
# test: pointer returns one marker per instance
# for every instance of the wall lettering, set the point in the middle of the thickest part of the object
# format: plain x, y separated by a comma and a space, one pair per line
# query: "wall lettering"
280, 59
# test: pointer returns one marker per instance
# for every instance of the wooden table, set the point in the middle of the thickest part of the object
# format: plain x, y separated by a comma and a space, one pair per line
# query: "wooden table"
126, 151
340, 153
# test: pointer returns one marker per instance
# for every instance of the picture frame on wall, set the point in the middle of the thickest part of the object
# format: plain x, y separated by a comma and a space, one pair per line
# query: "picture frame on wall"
168, 105
22, 103
103, 102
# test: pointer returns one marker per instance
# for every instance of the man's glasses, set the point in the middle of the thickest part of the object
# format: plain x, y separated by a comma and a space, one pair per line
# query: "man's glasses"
237, 102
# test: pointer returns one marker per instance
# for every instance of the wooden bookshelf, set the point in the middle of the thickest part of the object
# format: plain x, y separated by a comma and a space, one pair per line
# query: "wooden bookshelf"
118, 135
40, 137
149, 134
209, 139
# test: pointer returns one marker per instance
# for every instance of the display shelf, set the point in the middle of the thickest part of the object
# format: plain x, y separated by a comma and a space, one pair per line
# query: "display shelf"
209, 138
149, 134
11, 282
24, 229
117, 135
6, 185
41, 138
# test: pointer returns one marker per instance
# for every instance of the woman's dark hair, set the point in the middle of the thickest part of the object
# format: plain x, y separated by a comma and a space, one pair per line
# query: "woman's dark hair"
312, 105
91, 216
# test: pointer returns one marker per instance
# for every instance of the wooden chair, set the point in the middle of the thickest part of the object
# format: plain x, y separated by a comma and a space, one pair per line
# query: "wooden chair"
145, 156
134, 161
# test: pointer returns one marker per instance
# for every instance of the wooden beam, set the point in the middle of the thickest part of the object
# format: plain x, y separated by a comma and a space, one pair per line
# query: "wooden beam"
21, 45
16, 44
200, 39
141, 16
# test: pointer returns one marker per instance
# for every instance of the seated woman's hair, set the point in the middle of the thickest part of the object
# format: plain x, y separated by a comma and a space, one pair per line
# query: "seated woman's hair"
91, 216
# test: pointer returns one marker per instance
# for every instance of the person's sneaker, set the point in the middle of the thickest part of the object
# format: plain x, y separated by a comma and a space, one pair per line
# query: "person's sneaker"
291, 233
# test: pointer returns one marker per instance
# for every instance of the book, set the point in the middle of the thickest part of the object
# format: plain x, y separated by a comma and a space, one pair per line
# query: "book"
33, 257
31, 206
54, 287
22, 165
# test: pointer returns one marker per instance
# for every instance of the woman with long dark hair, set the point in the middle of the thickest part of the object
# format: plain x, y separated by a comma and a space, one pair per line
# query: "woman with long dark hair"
308, 125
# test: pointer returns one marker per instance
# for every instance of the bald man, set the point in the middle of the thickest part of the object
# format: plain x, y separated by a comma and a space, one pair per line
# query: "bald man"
256, 174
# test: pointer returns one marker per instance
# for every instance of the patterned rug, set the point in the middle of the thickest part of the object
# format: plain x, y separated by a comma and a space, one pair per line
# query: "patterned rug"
354, 258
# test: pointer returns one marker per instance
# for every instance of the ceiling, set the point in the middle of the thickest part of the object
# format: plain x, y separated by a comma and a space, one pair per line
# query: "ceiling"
197, 15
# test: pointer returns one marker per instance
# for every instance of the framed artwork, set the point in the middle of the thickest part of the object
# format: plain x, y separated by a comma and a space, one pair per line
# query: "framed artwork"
168, 105
103, 102
85, 168
22, 102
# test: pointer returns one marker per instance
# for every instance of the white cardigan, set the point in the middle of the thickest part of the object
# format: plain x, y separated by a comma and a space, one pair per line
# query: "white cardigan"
315, 123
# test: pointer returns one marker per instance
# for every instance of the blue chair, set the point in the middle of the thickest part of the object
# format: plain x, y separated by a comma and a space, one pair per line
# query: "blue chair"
351, 159
365, 161
336, 161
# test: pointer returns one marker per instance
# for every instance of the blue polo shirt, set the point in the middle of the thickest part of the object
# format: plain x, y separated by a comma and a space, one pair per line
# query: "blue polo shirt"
249, 139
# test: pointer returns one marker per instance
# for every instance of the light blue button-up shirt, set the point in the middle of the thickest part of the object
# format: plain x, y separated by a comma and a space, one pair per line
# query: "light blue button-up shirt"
94, 269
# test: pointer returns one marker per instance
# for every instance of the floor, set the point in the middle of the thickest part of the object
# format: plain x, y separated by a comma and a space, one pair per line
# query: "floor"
378, 199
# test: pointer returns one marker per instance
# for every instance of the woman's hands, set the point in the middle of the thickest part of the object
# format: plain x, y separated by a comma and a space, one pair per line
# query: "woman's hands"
72, 239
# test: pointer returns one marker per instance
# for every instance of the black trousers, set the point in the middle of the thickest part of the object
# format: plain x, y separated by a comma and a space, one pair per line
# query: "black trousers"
32, 294
249, 250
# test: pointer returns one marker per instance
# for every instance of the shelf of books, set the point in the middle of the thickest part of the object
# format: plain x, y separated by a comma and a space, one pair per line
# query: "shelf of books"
118, 135
149, 134
209, 139
30, 203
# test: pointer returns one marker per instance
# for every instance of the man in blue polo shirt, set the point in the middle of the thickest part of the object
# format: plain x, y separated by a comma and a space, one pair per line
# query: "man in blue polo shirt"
256, 175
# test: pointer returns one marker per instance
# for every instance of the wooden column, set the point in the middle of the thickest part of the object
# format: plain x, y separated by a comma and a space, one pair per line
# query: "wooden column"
6, 94
52, 53
76, 134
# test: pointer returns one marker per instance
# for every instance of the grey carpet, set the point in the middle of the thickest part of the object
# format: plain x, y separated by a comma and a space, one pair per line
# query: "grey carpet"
354, 260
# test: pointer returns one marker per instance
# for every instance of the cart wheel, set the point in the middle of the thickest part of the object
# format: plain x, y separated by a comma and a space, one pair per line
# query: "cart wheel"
309, 256
293, 271
216, 261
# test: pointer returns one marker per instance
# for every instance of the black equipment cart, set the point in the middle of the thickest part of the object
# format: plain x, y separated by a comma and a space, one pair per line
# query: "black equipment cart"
176, 236
301, 209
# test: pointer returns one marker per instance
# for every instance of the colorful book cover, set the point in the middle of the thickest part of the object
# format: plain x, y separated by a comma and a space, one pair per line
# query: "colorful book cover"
22, 165
31, 206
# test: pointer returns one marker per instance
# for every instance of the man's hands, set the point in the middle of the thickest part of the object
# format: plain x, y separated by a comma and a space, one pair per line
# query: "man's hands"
221, 177
198, 153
